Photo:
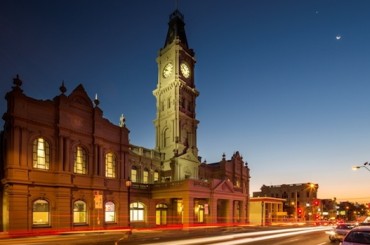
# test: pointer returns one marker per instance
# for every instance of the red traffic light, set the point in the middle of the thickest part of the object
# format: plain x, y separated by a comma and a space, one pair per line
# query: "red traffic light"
316, 202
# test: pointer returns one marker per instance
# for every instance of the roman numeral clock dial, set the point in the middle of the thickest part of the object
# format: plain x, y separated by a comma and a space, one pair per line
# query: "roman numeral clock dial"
185, 70
167, 70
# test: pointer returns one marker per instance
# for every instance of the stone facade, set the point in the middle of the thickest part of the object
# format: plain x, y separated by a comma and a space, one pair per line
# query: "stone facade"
301, 199
65, 167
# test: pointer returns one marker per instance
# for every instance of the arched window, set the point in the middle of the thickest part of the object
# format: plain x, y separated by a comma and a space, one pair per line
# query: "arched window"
133, 174
110, 212
110, 165
166, 137
137, 211
156, 176
40, 212
80, 165
146, 176
161, 214
41, 154
79, 212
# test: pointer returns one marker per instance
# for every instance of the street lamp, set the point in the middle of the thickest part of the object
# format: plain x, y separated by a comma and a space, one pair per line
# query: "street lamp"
128, 185
362, 166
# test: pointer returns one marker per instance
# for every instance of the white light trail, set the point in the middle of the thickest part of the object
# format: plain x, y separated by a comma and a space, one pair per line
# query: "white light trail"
225, 239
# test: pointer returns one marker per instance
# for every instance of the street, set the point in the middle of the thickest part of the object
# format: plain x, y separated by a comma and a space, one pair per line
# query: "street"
210, 236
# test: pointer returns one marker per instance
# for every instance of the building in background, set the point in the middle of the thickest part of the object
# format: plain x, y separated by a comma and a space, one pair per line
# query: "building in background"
266, 211
301, 199
65, 167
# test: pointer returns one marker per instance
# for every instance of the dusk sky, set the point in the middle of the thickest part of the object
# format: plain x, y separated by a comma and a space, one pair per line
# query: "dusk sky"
285, 83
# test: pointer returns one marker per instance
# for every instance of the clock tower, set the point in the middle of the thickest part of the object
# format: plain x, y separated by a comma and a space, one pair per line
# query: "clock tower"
175, 123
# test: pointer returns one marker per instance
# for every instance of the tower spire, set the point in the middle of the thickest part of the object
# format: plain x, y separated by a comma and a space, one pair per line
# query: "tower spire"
176, 29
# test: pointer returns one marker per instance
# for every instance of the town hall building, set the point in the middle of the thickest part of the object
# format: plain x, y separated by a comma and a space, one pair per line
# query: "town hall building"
64, 167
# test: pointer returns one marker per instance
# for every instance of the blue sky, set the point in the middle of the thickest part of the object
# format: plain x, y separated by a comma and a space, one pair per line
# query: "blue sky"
275, 82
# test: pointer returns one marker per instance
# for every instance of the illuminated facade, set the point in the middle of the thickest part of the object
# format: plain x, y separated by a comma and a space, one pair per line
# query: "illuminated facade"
301, 200
65, 167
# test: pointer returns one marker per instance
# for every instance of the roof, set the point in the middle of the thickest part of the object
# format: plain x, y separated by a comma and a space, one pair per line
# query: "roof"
176, 29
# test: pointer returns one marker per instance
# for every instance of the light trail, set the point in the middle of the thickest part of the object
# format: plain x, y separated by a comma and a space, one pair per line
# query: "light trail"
248, 237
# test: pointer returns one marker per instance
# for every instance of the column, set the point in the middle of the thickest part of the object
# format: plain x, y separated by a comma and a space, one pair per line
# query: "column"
188, 212
60, 161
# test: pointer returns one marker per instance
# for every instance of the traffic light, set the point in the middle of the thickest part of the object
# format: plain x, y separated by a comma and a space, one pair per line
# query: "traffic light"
316, 203
299, 211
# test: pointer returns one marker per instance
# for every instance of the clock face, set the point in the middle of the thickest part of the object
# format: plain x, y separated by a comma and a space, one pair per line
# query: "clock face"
167, 70
185, 70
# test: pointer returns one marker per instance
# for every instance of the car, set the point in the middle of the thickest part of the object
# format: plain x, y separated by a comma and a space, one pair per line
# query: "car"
357, 236
338, 232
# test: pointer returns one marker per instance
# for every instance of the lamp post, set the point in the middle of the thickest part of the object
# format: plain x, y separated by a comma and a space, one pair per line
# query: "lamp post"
128, 185
362, 166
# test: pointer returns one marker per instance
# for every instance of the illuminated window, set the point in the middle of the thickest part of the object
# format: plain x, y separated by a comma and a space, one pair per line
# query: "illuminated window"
80, 166
161, 214
79, 212
110, 165
110, 212
199, 213
137, 211
156, 176
145, 176
40, 212
41, 154
134, 174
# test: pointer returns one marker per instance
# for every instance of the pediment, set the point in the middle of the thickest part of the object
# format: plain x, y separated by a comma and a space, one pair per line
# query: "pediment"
189, 156
79, 96
225, 186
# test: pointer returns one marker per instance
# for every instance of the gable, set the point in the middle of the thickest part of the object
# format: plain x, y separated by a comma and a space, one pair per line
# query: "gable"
80, 97
225, 186
189, 156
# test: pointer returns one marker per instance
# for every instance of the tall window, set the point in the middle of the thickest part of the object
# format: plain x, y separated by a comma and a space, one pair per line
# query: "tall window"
79, 212
156, 176
134, 174
137, 211
161, 214
146, 176
110, 212
41, 154
40, 212
80, 166
110, 165
166, 137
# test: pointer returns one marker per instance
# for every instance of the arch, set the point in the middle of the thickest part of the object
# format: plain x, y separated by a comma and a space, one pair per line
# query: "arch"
137, 212
146, 176
110, 212
80, 160
40, 212
156, 176
161, 210
40, 153
79, 212
133, 174
166, 137
110, 165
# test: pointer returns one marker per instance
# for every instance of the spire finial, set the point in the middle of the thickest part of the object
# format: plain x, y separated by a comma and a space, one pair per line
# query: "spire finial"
122, 121
62, 88
17, 81
96, 101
